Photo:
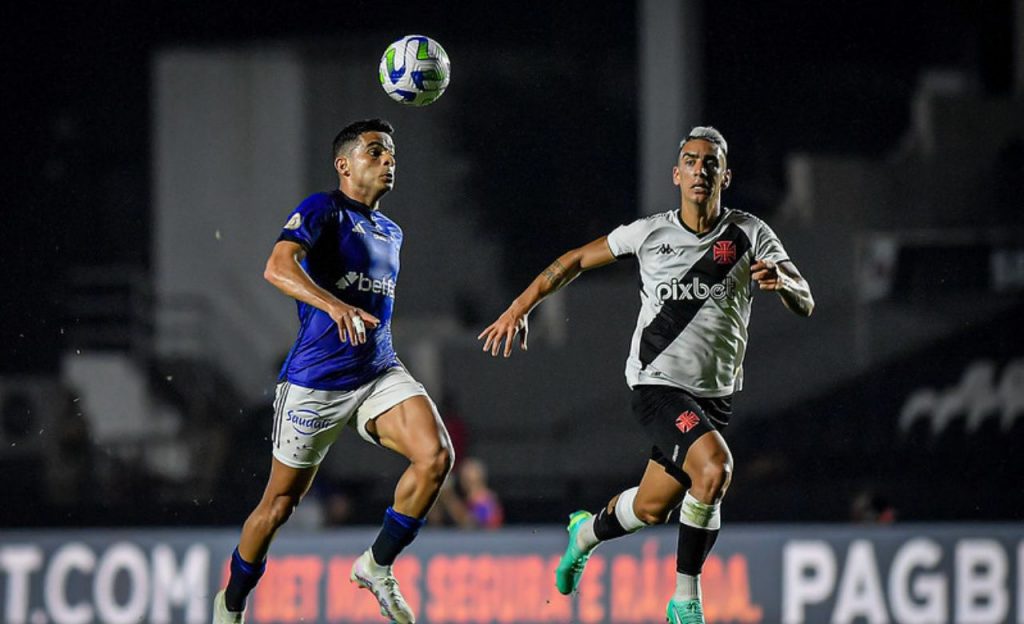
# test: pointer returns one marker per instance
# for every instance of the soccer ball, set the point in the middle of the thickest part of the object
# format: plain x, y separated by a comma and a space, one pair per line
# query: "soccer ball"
414, 70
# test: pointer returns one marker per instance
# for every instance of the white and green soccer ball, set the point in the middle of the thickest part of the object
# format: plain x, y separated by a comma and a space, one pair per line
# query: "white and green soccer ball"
414, 70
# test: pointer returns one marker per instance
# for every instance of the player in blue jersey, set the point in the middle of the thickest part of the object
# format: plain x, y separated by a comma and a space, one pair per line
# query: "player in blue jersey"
338, 257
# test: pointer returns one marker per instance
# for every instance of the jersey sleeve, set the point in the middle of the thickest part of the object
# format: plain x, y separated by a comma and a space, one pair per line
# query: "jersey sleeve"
306, 222
626, 239
768, 246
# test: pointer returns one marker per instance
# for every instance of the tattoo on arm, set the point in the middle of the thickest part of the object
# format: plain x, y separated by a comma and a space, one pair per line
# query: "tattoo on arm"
797, 296
555, 274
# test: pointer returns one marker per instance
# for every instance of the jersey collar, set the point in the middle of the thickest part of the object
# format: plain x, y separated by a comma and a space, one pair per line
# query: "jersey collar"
348, 202
677, 215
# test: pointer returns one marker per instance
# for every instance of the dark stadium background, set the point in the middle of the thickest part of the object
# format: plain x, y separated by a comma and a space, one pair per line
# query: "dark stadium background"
779, 78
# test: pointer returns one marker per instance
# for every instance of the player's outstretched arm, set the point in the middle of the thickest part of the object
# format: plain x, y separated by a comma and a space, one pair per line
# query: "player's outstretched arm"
284, 271
559, 273
784, 278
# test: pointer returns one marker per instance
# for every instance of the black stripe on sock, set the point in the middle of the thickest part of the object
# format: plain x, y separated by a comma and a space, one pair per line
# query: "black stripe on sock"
607, 526
693, 548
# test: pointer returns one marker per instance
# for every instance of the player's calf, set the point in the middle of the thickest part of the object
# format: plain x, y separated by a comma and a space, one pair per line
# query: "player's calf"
586, 531
699, 524
269, 516
432, 468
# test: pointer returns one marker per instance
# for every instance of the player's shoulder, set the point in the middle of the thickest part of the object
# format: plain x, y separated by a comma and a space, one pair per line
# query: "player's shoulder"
743, 218
381, 217
319, 202
653, 221
383, 220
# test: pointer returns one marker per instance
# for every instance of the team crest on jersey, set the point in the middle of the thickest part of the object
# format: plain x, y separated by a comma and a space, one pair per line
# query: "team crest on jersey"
724, 252
294, 222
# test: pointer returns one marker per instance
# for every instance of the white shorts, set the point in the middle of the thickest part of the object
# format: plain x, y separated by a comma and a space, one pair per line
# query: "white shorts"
307, 421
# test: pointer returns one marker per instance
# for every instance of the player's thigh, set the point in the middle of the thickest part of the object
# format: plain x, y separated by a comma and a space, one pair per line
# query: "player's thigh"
399, 415
286, 481
308, 421
659, 492
709, 452
674, 421
412, 428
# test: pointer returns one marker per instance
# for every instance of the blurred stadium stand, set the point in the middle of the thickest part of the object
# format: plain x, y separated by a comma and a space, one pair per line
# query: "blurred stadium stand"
907, 381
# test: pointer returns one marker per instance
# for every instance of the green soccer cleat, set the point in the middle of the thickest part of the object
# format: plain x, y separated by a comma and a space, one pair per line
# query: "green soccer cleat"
684, 612
570, 568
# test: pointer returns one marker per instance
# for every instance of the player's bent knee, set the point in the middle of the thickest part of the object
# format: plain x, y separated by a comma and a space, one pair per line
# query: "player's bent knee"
634, 514
712, 480
444, 461
435, 465
652, 515
280, 510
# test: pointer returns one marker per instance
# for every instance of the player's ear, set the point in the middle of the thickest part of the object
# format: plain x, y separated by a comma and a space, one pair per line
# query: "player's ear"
726, 179
341, 165
675, 176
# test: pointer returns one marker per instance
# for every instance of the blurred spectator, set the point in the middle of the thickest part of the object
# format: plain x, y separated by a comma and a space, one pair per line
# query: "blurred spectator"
1008, 173
471, 504
455, 423
870, 507
70, 465
310, 515
17, 418
19, 455
338, 508
342, 498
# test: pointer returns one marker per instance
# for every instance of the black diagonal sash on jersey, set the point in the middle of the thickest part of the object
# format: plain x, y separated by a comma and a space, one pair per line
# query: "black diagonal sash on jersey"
676, 314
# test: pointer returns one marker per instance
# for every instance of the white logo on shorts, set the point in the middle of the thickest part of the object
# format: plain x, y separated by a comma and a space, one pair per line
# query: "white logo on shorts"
306, 422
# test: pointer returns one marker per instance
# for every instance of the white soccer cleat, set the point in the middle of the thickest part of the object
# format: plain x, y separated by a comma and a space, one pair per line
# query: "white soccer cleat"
221, 615
379, 579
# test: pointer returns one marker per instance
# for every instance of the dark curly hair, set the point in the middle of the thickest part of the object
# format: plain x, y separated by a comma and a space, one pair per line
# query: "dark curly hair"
352, 131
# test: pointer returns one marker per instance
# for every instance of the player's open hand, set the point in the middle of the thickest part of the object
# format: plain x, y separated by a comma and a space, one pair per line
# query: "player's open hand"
506, 328
767, 275
353, 323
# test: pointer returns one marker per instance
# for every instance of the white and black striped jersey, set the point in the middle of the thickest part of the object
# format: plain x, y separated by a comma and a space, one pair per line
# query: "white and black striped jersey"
695, 297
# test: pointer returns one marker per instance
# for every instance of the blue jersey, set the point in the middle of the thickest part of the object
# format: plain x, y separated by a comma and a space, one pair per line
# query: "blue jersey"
352, 252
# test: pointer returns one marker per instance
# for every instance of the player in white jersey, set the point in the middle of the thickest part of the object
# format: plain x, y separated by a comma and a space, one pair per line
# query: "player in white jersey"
698, 265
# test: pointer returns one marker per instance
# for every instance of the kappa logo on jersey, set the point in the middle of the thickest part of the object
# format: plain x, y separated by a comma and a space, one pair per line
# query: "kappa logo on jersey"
294, 222
665, 250
307, 422
695, 289
687, 421
364, 283
724, 252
